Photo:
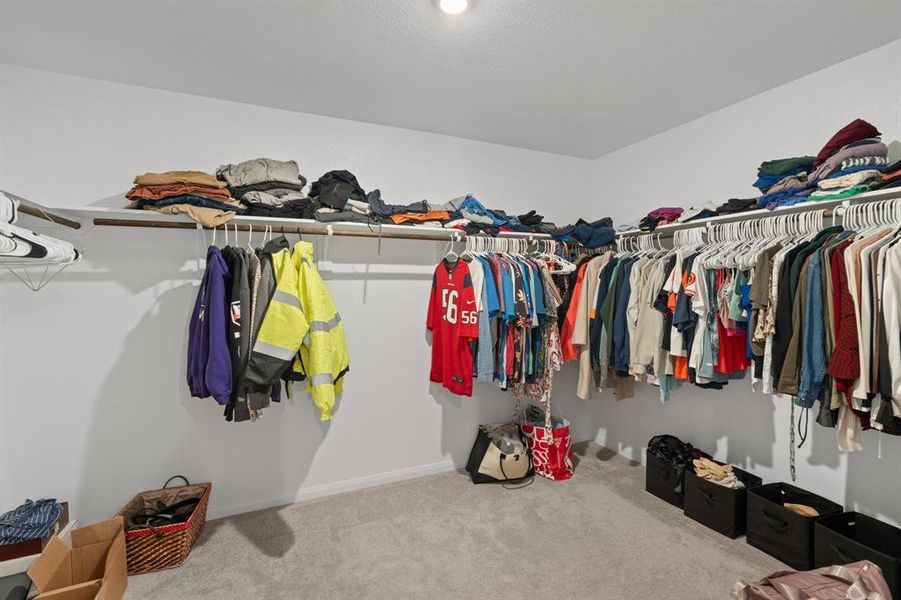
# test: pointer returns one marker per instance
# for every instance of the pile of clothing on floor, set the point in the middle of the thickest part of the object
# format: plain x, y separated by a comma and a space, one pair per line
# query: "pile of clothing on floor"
194, 193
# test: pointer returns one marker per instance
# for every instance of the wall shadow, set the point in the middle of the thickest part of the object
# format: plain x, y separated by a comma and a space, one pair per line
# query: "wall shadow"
144, 426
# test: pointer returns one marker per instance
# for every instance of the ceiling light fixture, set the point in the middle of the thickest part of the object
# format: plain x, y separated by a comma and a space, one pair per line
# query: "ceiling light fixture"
453, 7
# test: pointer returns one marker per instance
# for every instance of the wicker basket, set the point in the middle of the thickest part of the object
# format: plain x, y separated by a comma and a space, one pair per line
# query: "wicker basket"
151, 549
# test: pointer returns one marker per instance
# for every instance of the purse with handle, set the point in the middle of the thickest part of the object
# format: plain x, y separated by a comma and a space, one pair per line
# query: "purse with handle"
549, 443
499, 456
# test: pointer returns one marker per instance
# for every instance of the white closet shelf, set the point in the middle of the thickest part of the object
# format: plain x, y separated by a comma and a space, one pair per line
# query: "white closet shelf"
828, 205
128, 217
77, 218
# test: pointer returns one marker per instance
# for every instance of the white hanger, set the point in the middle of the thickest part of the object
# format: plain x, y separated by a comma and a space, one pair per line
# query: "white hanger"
24, 249
450, 251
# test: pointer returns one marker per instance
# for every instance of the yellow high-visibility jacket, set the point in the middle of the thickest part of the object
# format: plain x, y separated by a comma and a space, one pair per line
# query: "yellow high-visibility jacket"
283, 326
323, 353
301, 326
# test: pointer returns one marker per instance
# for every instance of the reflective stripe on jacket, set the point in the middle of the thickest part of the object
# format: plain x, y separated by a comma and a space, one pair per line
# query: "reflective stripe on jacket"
283, 328
301, 327
323, 353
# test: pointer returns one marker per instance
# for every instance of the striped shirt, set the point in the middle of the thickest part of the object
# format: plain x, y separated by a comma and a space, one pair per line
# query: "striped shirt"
30, 521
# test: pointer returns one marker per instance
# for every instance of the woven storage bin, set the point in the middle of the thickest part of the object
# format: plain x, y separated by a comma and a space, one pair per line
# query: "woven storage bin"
157, 548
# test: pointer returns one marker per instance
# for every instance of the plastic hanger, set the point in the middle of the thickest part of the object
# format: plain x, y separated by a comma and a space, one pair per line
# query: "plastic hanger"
23, 249
450, 251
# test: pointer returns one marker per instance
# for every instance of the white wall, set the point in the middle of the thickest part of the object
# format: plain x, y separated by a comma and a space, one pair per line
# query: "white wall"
93, 404
94, 401
714, 158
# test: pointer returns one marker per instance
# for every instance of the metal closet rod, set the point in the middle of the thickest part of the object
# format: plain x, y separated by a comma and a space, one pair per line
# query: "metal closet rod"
40, 213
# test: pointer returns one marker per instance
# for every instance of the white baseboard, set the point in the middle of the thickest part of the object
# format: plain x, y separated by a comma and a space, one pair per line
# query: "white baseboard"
329, 489
349, 485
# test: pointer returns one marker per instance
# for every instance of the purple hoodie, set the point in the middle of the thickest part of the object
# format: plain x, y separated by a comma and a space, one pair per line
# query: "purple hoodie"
209, 362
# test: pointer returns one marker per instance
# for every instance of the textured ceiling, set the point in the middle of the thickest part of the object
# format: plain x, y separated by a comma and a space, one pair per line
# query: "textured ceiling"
573, 77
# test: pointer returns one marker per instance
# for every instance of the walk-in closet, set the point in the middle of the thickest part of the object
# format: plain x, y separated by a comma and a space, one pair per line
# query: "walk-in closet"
396, 299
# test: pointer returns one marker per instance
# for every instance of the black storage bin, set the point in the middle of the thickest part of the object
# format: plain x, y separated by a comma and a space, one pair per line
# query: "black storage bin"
722, 509
850, 537
664, 480
779, 532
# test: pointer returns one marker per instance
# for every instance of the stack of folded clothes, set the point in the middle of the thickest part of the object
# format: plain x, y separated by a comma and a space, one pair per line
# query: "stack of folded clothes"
194, 193
479, 218
891, 177
265, 187
268, 187
338, 196
784, 181
851, 162
695, 213
383, 211
658, 217
593, 235
736, 205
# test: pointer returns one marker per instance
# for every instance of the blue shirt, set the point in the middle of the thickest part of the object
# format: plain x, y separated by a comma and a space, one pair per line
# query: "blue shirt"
490, 285
485, 354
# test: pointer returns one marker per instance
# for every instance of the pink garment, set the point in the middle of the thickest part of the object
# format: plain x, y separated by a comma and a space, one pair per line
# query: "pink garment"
835, 161
666, 214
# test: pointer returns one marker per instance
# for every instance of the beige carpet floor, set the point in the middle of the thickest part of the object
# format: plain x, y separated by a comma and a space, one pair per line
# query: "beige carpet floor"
599, 535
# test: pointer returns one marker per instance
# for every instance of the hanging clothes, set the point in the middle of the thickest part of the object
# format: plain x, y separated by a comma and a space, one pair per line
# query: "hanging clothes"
261, 317
494, 319
814, 317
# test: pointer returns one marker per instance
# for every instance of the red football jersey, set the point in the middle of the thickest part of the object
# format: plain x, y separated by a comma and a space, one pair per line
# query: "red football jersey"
454, 323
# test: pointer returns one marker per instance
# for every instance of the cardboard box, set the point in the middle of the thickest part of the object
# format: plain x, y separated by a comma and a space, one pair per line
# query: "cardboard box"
14, 582
93, 569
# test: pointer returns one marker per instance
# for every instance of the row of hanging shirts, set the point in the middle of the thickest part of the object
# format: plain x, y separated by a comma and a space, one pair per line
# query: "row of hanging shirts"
33, 258
263, 319
806, 311
493, 314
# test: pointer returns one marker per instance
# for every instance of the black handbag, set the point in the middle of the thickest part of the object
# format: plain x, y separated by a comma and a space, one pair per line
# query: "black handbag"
499, 455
